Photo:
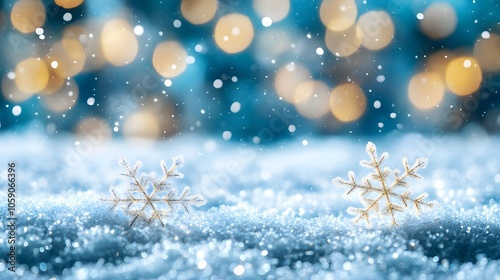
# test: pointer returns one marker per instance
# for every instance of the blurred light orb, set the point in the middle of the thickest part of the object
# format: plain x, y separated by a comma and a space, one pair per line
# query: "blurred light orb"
11, 92
118, 42
94, 57
32, 75
69, 55
487, 52
93, 131
141, 125
276, 10
338, 15
54, 83
426, 90
347, 102
28, 15
377, 29
169, 59
69, 4
198, 11
233, 33
439, 21
344, 43
64, 99
312, 99
288, 78
463, 75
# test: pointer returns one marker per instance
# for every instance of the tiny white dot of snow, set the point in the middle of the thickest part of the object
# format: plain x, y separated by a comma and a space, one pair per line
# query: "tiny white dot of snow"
16, 110
218, 83
91, 101
11, 75
70, 93
291, 128
497, 178
420, 16
226, 135
177, 23
239, 270
168, 82
485, 35
379, 67
160, 33
380, 125
174, 67
267, 21
377, 104
54, 64
467, 63
235, 107
235, 31
115, 129
202, 264
77, 143
226, 38
256, 139
138, 30
393, 115
234, 79
67, 16
320, 51
304, 142
380, 78
347, 266
190, 60
198, 48
41, 37
39, 31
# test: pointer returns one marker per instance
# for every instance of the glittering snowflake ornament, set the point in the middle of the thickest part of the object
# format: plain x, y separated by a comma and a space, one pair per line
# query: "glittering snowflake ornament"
151, 198
378, 193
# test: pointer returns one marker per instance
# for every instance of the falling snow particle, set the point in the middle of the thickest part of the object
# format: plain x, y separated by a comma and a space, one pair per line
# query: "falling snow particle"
304, 142
377, 104
291, 128
226, 135
138, 30
54, 64
16, 110
190, 60
234, 79
239, 270
267, 21
39, 31
11, 75
467, 63
177, 23
91, 101
198, 48
393, 115
218, 83
67, 17
380, 78
168, 82
320, 51
235, 107
485, 35
380, 125
420, 16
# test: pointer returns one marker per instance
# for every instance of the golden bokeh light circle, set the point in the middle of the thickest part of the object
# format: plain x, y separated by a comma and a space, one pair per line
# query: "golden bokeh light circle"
288, 78
463, 75
118, 42
68, 4
338, 15
27, 15
141, 125
169, 59
377, 29
347, 102
233, 33
64, 99
32, 75
312, 99
344, 43
487, 53
198, 11
426, 90
68, 55
276, 10
440, 21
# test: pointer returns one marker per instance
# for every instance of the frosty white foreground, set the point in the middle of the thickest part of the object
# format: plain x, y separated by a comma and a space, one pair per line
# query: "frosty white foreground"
272, 213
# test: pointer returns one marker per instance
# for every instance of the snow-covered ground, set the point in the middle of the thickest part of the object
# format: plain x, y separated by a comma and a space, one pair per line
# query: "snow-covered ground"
272, 211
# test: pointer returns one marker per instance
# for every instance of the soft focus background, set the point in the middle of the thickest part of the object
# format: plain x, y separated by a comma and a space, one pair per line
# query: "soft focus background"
252, 71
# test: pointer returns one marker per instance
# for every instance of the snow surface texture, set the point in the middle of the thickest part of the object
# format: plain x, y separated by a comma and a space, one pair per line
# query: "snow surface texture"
272, 212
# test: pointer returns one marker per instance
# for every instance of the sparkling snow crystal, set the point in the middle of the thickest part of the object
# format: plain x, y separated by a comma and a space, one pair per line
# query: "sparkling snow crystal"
373, 196
152, 198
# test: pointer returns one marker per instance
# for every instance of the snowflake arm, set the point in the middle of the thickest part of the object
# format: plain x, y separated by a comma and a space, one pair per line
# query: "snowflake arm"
385, 193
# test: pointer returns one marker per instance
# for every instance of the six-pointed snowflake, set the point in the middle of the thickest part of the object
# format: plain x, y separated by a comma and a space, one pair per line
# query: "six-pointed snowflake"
151, 198
381, 198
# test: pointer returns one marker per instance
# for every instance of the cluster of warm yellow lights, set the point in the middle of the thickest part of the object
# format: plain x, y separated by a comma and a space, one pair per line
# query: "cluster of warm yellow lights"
374, 30
314, 99
460, 74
